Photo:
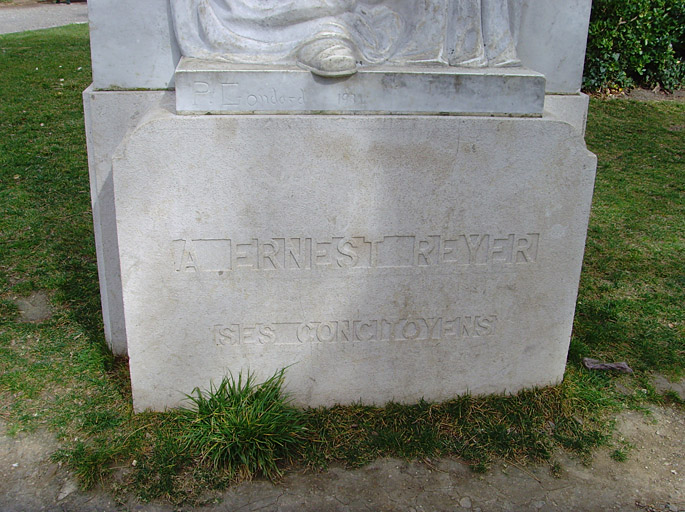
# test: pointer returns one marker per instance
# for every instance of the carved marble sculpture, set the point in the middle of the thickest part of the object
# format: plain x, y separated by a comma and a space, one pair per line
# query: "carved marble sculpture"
333, 37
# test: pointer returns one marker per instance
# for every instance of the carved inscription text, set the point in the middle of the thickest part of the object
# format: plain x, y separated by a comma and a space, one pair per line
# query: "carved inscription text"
306, 253
341, 331
231, 94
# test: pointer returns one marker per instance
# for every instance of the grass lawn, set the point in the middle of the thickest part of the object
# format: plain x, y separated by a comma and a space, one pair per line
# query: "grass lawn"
57, 373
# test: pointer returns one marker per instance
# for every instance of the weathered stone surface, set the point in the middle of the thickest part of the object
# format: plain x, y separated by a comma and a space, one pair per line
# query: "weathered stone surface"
134, 47
117, 112
569, 108
109, 116
553, 39
132, 44
379, 257
222, 88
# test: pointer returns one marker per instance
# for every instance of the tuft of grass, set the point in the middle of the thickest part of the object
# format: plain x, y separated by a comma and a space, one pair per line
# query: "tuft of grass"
244, 427
622, 452
619, 455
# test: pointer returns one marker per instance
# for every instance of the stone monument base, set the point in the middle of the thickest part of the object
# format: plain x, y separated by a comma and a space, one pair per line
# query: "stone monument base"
379, 258
210, 87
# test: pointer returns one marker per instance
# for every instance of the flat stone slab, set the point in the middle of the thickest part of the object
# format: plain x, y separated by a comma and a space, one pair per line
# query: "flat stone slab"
377, 257
209, 87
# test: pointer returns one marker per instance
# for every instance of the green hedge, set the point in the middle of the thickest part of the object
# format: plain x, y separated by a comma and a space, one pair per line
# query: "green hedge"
636, 42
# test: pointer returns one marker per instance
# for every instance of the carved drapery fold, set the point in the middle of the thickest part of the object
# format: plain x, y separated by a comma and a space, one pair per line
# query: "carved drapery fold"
472, 33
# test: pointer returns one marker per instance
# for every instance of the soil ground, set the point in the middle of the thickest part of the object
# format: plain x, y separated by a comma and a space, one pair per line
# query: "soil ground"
652, 479
655, 95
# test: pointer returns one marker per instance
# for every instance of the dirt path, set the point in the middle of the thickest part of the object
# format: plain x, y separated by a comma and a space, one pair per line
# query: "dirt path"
652, 479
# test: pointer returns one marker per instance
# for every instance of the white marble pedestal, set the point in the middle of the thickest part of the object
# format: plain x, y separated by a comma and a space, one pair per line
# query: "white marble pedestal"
378, 257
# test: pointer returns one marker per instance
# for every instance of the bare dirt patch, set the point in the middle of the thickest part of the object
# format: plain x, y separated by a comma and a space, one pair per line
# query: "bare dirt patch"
653, 478
34, 308
655, 95
642, 94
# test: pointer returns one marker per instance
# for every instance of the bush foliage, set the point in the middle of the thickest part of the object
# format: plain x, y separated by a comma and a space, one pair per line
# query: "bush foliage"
636, 42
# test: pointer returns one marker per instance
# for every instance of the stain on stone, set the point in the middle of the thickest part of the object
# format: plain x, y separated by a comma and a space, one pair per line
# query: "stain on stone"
34, 308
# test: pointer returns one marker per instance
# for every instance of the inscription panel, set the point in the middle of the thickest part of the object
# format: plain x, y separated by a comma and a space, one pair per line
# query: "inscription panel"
378, 258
